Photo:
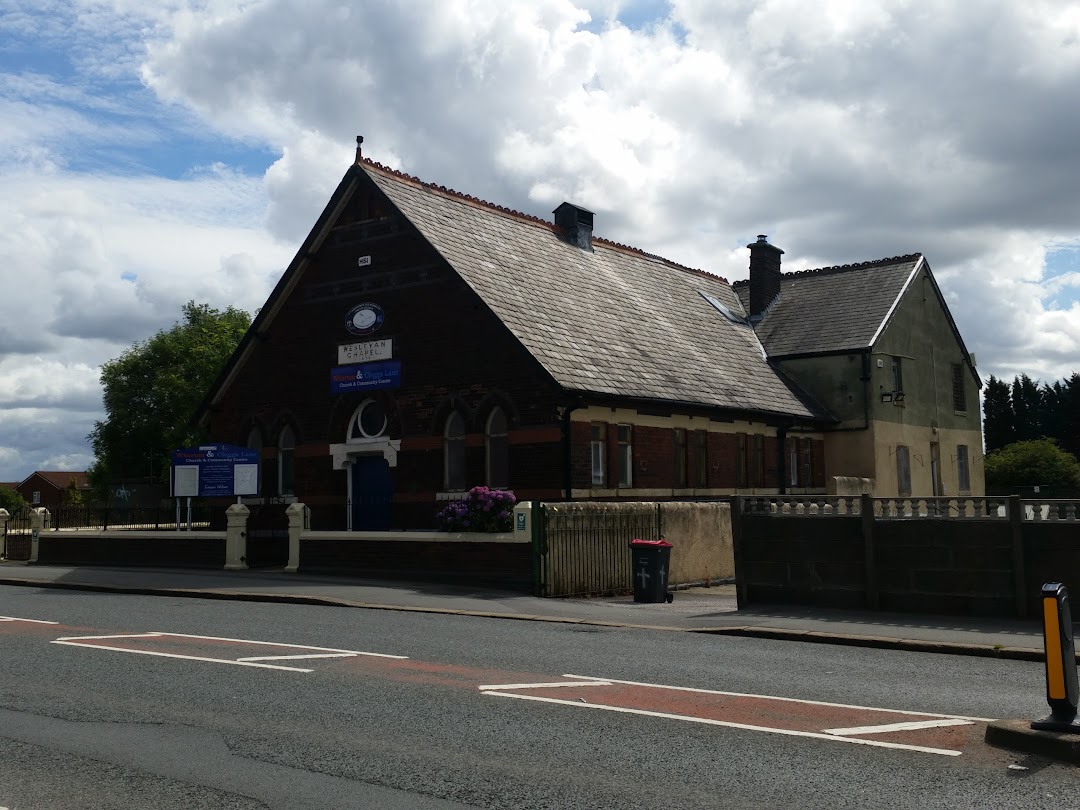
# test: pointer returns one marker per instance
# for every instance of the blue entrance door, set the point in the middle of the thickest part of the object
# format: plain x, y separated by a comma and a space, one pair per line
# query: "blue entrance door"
372, 489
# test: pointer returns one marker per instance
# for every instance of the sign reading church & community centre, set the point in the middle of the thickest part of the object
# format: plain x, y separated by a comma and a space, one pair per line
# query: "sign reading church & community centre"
212, 470
365, 376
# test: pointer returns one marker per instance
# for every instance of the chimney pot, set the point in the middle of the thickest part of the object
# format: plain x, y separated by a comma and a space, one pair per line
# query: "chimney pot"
359, 144
765, 276
577, 223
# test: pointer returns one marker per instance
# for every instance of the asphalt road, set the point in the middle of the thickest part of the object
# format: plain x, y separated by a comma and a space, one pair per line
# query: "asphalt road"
205, 704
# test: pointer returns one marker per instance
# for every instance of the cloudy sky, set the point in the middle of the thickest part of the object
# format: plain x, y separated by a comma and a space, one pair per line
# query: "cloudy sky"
152, 153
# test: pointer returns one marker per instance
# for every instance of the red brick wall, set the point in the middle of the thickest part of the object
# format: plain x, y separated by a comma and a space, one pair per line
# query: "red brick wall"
455, 354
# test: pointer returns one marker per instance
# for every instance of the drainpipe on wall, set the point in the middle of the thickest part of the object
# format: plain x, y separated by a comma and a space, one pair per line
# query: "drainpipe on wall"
567, 459
866, 376
781, 457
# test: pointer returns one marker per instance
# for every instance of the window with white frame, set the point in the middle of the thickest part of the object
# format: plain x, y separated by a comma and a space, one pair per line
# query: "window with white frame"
598, 447
626, 456
36, 498
369, 421
498, 461
454, 452
962, 469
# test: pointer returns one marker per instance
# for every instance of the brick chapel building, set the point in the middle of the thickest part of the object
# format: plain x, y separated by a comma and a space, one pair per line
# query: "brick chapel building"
423, 342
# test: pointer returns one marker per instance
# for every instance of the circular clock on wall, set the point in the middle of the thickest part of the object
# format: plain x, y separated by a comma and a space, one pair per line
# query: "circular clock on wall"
363, 319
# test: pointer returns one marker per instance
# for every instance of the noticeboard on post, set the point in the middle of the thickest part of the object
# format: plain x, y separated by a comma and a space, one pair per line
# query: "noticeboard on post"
213, 470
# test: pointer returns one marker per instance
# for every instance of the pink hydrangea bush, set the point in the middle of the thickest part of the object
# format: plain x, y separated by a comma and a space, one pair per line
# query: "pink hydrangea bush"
481, 510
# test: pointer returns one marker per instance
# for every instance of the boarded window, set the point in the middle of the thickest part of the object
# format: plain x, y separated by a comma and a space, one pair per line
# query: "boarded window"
962, 471
806, 467
740, 460
903, 470
680, 457
498, 451
599, 449
701, 458
959, 396
626, 456
757, 471
454, 452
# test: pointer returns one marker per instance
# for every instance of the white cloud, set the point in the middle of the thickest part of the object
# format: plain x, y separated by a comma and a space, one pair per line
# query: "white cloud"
845, 130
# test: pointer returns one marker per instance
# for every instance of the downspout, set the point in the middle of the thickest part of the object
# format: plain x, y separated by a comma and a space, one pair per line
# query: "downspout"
781, 457
567, 457
866, 388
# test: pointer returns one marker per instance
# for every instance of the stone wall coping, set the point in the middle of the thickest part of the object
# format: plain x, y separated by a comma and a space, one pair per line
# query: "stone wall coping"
115, 534
419, 537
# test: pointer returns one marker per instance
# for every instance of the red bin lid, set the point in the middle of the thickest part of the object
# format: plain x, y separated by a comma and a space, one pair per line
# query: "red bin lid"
651, 543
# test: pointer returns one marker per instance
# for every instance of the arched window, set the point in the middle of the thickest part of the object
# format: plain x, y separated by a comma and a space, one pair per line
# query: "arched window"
254, 439
454, 452
286, 475
369, 421
498, 461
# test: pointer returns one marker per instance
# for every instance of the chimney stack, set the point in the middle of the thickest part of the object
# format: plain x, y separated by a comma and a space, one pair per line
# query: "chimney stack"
764, 276
577, 223
359, 145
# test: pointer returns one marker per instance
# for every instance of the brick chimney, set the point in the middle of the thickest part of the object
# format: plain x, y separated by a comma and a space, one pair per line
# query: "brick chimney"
576, 223
764, 276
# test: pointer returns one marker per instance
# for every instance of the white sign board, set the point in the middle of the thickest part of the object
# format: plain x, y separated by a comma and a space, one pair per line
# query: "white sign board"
246, 479
366, 351
186, 482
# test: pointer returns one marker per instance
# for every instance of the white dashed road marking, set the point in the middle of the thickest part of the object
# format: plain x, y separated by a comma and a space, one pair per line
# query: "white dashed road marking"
304, 651
17, 619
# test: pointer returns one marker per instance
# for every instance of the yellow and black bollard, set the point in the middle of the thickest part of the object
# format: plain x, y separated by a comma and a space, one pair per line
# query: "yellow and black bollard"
1061, 685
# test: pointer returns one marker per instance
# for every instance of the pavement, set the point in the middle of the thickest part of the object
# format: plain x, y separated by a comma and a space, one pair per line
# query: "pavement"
700, 610
711, 610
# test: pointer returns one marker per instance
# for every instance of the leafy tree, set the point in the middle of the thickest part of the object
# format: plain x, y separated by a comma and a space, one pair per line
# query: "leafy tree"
153, 389
11, 500
999, 428
73, 496
1027, 408
1037, 462
1069, 415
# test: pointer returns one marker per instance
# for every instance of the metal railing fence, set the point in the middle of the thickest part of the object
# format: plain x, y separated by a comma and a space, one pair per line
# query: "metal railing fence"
585, 548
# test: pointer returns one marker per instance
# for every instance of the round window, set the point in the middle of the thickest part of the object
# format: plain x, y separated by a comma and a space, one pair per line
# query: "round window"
371, 421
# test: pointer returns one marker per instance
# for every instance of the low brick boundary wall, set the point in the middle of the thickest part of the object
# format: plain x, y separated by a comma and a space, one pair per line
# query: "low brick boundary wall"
459, 559
134, 548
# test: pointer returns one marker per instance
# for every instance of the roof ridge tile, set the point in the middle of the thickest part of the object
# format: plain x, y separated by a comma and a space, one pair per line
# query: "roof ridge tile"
842, 268
469, 198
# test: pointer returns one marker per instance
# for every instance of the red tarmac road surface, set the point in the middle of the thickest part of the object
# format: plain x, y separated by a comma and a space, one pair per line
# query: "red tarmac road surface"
945, 735
934, 734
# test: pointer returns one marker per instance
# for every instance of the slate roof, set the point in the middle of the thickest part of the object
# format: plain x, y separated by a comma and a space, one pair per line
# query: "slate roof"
613, 321
832, 309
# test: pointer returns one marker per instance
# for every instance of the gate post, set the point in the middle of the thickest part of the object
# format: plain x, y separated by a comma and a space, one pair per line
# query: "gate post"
299, 520
39, 519
527, 524
4, 517
236, 517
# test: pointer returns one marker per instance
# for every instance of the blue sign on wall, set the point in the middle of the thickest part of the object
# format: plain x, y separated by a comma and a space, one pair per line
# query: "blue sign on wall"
215, 470
365, 376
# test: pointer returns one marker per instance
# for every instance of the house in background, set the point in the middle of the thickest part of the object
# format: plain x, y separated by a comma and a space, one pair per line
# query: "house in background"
49, 488
875, 344
423, 342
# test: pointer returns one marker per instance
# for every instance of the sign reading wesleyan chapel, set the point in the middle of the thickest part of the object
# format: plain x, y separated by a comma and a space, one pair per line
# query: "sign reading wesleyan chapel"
365, 352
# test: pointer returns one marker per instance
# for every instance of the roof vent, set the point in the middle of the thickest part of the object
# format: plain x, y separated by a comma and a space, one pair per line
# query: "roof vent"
577, 223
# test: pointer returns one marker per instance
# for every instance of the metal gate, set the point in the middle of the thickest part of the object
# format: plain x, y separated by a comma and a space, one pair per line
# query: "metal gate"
17, 535
584, 548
